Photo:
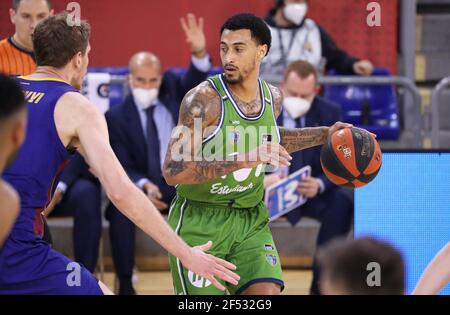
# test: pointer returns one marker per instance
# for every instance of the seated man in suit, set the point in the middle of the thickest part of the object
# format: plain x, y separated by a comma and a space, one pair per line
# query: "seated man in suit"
331, 205
140, 131
78, 194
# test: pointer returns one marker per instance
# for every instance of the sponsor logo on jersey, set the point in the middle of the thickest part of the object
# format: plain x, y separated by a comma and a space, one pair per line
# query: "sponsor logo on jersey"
218, 189
266, 139
234, 136
271, 259
269, 247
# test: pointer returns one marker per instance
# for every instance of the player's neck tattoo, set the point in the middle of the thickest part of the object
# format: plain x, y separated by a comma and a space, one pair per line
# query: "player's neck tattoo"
252, 108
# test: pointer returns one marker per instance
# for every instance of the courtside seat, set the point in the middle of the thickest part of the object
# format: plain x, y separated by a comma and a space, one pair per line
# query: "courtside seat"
372, 107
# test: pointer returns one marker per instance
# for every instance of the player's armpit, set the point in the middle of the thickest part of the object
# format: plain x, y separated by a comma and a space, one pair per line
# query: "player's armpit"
72, 112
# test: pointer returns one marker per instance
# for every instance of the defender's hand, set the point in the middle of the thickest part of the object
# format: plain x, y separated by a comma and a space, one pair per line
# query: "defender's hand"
210, 267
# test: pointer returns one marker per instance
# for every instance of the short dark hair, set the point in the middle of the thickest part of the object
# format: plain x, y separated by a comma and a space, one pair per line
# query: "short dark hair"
280, 3
247, 21
16, 3
345, 263
302, 68
12, 99
56, 42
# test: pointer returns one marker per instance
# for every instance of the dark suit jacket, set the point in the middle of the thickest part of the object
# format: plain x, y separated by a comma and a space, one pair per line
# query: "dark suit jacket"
126, 131
322, 113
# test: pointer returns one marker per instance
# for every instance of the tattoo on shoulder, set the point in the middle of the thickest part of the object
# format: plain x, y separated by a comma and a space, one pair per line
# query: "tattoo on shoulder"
203, 103
277, 99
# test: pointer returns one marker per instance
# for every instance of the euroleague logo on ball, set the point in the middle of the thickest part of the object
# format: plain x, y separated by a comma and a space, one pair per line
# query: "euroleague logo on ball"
346, 150
344, 147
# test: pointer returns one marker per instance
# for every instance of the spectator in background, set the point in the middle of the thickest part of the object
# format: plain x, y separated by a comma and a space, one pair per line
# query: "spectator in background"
78, 194
328, 203
140, 131
295, 37
346, 268
16, 52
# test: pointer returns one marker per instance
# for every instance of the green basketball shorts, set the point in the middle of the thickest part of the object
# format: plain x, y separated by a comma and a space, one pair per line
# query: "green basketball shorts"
240, 236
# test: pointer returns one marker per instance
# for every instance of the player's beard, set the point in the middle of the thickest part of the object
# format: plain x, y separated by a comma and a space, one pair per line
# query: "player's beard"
237, 80
244, 74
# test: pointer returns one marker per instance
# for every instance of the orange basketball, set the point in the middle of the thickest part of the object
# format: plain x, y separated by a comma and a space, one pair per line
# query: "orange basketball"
351, 157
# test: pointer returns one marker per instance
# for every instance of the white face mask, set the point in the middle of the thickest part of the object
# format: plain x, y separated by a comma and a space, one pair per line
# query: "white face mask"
295, 12
296, 107
144, 98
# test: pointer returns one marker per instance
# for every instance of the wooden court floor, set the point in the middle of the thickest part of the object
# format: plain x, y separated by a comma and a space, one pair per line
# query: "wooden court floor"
160, 283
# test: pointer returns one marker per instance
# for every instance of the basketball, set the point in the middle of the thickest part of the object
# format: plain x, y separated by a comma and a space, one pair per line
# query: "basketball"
351, 157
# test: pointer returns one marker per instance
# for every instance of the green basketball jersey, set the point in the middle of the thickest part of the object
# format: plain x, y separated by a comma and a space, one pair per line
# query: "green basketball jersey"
236, 133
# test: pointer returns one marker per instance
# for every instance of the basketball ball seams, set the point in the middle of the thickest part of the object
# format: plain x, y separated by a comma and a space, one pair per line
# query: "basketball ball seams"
334, 178
376, 161
358, 183
344, 149
368, 178
332, 162
363, 148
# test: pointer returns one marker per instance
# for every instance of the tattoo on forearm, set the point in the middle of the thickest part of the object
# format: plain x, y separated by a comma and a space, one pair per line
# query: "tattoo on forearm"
294, 140
203, 171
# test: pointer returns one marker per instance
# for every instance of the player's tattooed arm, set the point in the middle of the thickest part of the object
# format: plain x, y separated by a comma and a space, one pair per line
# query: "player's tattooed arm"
294, 140
201, 107
297, 139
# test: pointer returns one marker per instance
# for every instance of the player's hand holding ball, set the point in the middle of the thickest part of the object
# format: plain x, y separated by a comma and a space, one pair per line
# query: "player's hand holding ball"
350, 157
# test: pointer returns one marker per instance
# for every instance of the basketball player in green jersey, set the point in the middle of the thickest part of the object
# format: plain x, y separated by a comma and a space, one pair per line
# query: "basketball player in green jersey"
219, 175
